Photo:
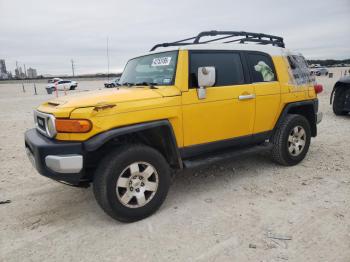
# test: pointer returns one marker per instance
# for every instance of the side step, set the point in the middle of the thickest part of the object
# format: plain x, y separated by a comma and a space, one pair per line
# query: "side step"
209, 159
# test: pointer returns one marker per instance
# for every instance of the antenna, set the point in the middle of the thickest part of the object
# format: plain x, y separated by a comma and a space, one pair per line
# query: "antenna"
107, 59
72, 61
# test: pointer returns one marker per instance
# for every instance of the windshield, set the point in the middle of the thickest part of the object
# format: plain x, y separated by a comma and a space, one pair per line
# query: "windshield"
155, 69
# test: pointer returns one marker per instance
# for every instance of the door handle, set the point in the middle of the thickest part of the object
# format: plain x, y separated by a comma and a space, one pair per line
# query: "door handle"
246, 97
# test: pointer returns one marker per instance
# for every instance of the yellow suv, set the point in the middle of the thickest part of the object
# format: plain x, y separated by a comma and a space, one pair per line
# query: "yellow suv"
185, 103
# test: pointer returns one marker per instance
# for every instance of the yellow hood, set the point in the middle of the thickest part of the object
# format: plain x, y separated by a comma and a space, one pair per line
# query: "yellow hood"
108, 96
62, 106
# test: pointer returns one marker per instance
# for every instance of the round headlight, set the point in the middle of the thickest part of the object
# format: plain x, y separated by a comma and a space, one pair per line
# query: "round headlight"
51, 128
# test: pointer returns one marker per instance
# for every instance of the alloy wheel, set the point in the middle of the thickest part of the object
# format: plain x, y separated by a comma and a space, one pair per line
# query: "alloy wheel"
296, 140
137, 184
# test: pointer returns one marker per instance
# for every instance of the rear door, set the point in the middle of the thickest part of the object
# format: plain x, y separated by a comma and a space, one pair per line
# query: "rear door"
267, 89
222, 115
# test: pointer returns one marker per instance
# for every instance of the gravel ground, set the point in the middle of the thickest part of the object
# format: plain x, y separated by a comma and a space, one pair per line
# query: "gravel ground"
246, 209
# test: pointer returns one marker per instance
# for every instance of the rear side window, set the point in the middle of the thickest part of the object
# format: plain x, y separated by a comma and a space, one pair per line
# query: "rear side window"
228, 67
261, 68
299, 71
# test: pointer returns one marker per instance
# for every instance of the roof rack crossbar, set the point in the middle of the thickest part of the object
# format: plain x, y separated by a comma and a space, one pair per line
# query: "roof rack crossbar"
259, 41
259, 38
187, 39
216, 39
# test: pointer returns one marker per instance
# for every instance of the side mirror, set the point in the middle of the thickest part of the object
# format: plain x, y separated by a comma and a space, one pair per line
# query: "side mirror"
206, 78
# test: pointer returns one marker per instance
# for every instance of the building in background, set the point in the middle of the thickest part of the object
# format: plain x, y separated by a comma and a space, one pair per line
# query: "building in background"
3, 72
3, 66
19, 73
31, 73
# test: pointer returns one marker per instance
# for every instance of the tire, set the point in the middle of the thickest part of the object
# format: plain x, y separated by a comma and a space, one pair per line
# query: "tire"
115, 182
339, 101
72, 88
284, 140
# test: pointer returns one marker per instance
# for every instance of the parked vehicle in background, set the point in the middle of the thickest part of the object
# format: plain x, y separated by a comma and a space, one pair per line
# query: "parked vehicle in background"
113, 83
188, 104
61, 85
319, 71
54, 80
340, 96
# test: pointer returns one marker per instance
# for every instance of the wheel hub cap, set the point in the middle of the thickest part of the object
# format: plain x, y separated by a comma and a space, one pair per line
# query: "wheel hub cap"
137, 184
296, 140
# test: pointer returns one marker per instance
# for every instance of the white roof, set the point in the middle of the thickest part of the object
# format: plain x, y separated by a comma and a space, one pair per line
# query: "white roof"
269, 49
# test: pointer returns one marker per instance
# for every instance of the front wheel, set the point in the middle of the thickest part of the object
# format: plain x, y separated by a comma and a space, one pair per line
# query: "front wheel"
132, 182
291, 140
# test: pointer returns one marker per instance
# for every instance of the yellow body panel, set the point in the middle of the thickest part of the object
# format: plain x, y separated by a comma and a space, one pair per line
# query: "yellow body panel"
221, 115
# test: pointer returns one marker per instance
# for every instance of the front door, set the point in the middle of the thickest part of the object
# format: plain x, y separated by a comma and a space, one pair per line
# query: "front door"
228, 110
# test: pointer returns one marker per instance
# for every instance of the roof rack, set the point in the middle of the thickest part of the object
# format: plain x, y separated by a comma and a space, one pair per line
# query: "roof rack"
240, 37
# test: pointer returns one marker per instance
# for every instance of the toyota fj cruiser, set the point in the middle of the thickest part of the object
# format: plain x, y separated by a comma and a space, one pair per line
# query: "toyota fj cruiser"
193, 101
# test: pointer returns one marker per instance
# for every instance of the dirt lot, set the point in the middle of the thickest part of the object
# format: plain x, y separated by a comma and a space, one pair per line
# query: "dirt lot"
247, 209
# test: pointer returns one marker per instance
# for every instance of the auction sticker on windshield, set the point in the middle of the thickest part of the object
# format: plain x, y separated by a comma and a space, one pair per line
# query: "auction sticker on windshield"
161, 61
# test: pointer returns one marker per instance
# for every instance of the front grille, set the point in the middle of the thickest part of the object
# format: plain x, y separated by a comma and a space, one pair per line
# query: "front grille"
41, 123
45, 123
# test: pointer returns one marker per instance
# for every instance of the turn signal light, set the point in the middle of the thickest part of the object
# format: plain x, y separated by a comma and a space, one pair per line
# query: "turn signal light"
73, 125
318, 88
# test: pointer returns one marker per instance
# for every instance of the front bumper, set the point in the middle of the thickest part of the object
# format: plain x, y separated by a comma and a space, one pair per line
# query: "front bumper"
61, 161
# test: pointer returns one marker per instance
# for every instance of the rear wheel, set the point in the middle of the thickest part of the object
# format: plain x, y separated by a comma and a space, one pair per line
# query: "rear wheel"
291, 140
340, 96
132, 182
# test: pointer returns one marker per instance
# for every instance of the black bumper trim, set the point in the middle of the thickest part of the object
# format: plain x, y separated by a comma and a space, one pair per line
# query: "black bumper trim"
41, 147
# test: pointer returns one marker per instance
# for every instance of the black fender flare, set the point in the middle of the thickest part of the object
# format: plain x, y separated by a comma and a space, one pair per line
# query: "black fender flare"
293, 107
162, 126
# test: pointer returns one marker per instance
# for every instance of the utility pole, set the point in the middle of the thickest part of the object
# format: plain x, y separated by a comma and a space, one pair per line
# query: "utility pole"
25, 70
17, 70
72, 61
23, 89
107, 60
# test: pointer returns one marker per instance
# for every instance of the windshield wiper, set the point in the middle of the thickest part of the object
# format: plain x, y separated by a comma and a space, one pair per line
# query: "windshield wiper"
151, 85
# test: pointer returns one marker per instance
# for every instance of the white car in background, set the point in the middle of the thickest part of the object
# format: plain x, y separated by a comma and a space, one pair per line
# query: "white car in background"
61, 85
54, 80
112, 83
319, 71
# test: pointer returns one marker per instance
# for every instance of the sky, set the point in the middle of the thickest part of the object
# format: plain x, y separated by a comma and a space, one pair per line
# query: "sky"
46, 34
